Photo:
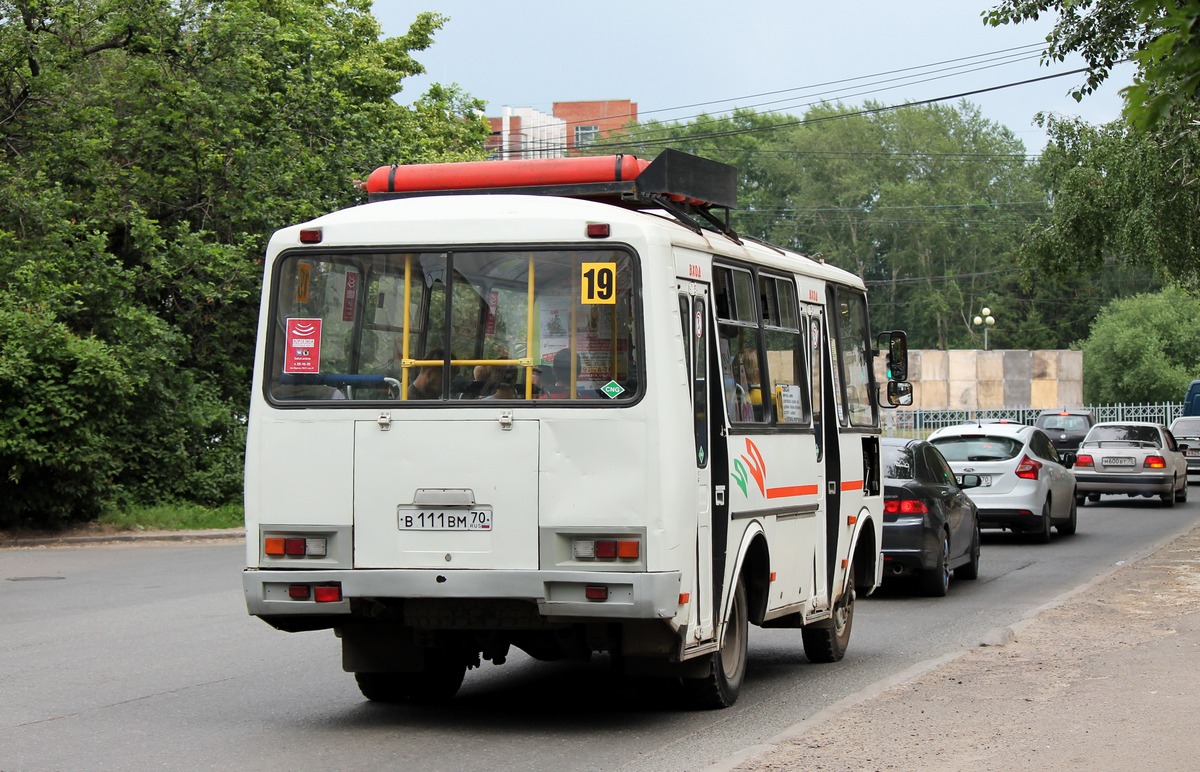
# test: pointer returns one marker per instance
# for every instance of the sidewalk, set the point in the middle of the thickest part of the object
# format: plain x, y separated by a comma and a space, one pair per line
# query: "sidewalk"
1108, 679
119, 537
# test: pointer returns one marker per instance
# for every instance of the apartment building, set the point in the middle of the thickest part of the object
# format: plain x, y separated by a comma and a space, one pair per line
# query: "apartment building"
524, 132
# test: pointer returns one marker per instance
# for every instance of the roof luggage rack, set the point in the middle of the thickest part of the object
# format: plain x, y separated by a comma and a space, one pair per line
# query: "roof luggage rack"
687, 186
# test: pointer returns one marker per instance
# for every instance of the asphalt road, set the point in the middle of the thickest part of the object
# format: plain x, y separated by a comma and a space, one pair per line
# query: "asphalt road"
141, 656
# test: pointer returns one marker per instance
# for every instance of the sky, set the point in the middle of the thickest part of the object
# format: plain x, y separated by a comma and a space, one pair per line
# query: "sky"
678, 60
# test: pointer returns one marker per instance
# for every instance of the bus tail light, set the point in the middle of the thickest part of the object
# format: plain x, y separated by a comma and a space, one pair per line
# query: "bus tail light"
327, 593
321, 593
595, 592
294, 547
606, 549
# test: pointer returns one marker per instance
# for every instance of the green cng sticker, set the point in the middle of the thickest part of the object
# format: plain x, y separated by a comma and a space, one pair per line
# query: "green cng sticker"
613, 389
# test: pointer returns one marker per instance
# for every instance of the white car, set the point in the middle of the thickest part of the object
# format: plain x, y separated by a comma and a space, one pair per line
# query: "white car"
1134, 458
1027, 486
1187, 432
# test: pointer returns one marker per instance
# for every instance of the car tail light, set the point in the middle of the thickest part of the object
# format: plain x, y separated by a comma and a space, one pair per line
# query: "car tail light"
1028, 468
905, 507
1155, 462
1084, 459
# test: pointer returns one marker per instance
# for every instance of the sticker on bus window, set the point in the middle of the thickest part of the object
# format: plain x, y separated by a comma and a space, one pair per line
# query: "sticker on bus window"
303, 282
598, 283
303, 353
350, 297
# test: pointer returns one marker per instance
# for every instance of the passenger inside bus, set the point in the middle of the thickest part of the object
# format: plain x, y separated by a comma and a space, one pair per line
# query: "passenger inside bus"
734, 363
428, 382
557, 383
482, 381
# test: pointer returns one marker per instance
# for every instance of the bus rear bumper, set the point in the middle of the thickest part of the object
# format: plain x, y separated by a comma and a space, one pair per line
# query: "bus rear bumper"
557, 593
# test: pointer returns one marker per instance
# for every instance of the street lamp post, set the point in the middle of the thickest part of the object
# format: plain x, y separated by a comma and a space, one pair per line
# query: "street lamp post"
987, 320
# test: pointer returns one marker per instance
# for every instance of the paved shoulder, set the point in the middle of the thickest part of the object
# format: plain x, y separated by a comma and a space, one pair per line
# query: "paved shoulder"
1108, 679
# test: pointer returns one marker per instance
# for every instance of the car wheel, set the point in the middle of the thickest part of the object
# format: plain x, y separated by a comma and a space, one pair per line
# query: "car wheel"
936, 581
1168, 499
829, 642
1094, 497
719, 689
1081, 499
970, 569
1042, 534
1181, 494
1067, 528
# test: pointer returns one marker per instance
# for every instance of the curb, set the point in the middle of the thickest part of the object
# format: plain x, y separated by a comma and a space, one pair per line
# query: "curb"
997, 636
66, 541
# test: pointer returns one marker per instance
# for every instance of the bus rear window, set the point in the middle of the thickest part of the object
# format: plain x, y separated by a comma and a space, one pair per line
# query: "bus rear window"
509, 325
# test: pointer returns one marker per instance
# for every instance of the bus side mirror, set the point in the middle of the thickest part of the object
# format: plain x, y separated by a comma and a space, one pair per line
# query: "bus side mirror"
897, 354
899, 393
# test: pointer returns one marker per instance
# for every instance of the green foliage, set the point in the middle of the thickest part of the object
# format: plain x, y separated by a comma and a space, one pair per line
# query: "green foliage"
1121, 199
174, 517
1143, 349
147, 151
927, 204
1161, 36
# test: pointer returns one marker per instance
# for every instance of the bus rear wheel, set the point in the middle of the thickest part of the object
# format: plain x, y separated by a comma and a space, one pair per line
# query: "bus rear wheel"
438, 682
727, 667
829, 642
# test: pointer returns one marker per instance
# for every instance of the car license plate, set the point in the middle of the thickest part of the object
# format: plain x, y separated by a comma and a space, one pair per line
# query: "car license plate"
1117, 461
418, 519
1191, 453
985, 480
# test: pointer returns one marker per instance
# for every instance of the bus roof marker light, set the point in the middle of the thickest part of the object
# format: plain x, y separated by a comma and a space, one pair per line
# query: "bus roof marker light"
597, 230
311, 235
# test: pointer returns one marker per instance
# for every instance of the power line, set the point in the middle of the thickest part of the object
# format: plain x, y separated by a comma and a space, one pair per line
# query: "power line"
649, 142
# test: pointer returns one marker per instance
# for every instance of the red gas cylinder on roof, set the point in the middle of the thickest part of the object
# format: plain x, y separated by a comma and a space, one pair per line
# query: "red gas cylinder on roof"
472, 175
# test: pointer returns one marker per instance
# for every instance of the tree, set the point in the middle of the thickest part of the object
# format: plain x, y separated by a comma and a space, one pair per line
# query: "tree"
1120, 199
147, 151
1139, 350
926, 204
1161, 36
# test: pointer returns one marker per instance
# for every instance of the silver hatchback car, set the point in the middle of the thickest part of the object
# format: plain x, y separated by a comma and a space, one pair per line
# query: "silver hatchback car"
1133, 458
1026, 485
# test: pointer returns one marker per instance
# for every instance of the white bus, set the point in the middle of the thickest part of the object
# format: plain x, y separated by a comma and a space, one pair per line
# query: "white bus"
560, 405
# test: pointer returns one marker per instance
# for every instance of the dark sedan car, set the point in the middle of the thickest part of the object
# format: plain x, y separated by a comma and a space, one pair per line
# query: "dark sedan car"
1065, 428
930, 526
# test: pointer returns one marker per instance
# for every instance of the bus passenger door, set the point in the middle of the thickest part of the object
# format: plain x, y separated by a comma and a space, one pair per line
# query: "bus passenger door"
827, 472
696, 321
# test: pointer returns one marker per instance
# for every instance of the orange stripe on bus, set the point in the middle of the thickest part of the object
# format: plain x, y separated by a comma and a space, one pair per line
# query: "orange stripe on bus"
852, 485
792, 490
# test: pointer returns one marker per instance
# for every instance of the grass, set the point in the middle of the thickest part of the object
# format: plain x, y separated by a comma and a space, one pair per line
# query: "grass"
173, 517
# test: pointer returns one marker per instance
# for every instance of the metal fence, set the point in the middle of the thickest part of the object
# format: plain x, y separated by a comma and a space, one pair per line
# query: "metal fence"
915, 422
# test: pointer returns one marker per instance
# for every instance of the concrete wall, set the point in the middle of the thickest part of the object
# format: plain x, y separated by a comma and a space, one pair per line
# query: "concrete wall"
983, 380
